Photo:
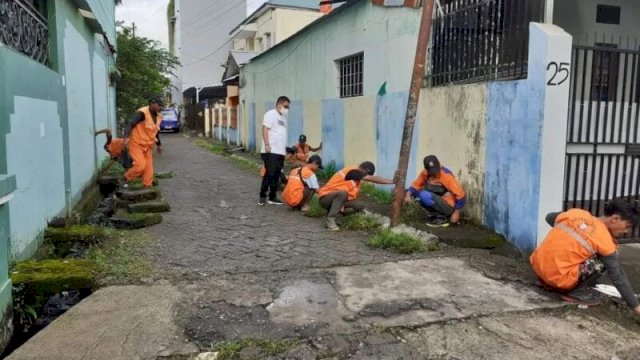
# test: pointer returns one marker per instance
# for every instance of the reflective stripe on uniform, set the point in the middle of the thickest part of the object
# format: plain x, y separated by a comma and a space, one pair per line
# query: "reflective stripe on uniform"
578, 238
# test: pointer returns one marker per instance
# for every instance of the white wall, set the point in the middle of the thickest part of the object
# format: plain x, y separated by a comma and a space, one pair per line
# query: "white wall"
578, 18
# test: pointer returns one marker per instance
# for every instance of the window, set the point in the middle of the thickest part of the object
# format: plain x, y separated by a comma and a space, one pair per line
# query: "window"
604, 77
607, 14
267, 37
23, 27
351, 75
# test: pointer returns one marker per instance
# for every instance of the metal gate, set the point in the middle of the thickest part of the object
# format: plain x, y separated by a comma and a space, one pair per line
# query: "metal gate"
603, 149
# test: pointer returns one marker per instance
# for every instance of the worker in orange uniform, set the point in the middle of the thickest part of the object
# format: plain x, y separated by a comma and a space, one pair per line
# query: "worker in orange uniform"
302, 184
141, 135
113, 146
581, 248
303, 149
439, 192
340, 194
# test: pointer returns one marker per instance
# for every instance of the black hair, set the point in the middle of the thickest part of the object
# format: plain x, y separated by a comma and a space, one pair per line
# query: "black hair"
283, 99
625, 209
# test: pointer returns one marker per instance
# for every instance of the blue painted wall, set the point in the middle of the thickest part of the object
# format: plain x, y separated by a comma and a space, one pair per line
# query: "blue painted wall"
251, 119
295, 123
390, 115
512, 178
333, 131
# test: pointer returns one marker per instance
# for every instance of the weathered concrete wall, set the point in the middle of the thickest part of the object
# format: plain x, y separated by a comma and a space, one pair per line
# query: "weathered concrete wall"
453, 126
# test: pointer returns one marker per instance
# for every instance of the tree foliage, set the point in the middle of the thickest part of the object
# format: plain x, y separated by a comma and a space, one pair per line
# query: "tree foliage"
144, 69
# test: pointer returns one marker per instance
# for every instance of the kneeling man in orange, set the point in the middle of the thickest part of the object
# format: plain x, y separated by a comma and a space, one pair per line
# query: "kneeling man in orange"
302, 184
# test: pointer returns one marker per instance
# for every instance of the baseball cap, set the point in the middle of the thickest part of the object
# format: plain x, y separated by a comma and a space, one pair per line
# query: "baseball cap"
157, 100
432, 165
368, 167
302, 138
315, 159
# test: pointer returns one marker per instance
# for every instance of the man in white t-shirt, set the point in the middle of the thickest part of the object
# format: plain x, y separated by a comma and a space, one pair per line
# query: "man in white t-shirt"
274, 144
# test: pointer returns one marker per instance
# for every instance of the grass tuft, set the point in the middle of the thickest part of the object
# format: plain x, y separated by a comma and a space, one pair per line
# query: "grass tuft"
329, 170
397, 242
231, 350
378, 195
360, 222
120, 260
213, 147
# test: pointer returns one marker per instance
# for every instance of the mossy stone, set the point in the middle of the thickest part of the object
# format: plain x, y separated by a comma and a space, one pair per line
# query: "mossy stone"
149, 207
63, 239
139, 195
125, 220
49, 277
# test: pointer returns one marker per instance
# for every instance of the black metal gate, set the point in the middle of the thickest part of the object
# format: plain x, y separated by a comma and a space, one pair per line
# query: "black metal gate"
603, 149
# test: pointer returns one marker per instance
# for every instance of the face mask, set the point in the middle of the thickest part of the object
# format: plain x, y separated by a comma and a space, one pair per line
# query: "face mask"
284, 112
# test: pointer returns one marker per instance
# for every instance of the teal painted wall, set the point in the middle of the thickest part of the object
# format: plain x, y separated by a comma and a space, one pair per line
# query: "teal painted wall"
47, 119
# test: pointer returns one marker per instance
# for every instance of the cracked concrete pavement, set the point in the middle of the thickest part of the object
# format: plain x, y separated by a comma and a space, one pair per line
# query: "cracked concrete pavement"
230, 270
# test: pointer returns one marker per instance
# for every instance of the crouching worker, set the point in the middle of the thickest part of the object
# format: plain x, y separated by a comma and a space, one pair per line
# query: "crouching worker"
340, 194
438, 191
581, 248
115, 148
302, 184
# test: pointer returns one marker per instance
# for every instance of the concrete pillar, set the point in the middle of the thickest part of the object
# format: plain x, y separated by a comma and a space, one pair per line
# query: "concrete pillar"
549, 64
207, 124
220, 123
228, 109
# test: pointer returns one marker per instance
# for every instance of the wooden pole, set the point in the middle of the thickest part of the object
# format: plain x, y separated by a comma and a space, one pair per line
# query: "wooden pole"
412, 108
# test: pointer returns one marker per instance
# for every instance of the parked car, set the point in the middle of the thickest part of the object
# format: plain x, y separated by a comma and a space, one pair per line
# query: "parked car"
170, 120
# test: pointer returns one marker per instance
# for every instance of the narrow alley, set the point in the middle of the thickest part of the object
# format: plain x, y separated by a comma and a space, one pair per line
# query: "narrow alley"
264, 278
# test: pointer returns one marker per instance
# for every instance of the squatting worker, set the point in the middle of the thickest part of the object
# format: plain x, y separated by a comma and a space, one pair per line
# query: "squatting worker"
303, 149
340, 194
439, 192
274, 139
581, 248
141, 135
302, 184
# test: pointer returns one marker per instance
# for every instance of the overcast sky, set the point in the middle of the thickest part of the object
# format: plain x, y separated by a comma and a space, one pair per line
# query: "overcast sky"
150, 17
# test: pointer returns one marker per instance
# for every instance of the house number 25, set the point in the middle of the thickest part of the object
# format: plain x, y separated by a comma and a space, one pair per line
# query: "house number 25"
559, 73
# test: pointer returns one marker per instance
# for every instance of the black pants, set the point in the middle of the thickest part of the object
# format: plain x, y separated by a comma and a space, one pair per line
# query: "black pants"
273, 164
335, 201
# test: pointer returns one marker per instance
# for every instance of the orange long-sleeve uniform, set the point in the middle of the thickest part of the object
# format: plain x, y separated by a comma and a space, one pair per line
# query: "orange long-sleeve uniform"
338, 182
141, 142
115, 147
455, 195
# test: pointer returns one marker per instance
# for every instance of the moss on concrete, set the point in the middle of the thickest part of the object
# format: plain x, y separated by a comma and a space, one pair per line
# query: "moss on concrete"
126, 220
49, 277
150, 207
399, 243
360, 222
63, 239
121, 260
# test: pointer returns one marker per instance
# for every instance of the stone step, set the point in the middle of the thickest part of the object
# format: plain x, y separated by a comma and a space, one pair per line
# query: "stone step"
150, 207
138, 195
63, 239
49, 277
125, 220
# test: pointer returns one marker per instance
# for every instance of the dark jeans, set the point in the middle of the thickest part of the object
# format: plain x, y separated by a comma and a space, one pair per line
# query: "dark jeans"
307, 194
273, 164
432, 202
335, 201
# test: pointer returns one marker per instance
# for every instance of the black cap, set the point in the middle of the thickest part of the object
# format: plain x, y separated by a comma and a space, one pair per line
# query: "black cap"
432, 165
315, 159
302, 138
156, 100
368, 167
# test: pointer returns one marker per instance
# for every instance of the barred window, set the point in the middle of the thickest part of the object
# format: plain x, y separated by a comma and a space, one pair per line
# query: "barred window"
351, 75
23, 27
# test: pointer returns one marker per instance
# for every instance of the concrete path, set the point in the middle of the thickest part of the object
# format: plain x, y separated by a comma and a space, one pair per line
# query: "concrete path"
229, 270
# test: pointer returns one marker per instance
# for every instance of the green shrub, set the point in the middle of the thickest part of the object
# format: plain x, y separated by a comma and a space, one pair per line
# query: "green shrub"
360, 222
329, 170
380, 196
315, 209
397, 242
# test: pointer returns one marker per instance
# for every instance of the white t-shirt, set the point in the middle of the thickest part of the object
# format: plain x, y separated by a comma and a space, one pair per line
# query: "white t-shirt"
277, 125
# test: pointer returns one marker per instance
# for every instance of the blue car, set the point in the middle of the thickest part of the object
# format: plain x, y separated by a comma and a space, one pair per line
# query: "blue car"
170, 121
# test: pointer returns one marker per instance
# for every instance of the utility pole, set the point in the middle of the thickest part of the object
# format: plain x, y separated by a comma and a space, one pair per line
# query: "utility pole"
412, 107
133, 27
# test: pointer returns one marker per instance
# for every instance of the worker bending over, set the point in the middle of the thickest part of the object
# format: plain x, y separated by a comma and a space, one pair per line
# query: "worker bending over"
141, 135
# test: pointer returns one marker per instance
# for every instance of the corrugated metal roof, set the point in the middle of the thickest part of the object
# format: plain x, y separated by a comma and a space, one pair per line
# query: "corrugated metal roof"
242, 57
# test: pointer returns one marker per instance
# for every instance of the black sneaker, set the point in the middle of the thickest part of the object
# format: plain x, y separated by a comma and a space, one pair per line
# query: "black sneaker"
274, 201
583, 296
262, 201
437, 221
